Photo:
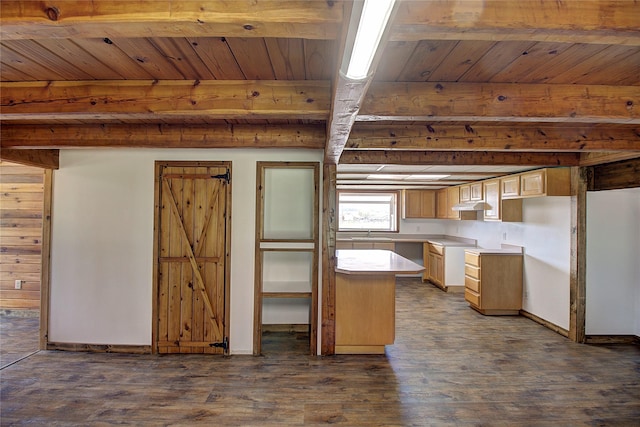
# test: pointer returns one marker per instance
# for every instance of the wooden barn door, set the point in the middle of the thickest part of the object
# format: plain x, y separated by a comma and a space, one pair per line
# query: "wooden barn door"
192, 244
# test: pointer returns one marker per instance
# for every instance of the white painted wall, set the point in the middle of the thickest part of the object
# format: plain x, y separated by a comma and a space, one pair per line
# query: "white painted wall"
102, 238
613, 262
545, 236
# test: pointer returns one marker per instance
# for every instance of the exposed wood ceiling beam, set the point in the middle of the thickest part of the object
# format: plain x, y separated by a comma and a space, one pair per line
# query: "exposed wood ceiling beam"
477, 158
47, 159
440, 101
138, 99
544, 137
612, 176
585, 21
231, 99
591, 159
162, 136
116, 19
348, 94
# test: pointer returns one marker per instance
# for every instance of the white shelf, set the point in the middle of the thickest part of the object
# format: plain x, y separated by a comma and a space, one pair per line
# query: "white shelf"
301, 287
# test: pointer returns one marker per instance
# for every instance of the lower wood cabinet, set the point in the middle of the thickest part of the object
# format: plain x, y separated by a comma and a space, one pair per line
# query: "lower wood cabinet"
493, 282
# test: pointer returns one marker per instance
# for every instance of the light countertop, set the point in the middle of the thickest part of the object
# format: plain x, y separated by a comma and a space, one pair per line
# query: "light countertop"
504, 250
374, 261
451, 242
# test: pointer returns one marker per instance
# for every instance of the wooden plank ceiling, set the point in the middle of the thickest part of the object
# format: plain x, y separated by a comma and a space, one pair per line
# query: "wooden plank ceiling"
457, 82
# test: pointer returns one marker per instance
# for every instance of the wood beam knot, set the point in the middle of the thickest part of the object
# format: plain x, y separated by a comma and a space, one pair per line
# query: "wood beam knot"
52, 13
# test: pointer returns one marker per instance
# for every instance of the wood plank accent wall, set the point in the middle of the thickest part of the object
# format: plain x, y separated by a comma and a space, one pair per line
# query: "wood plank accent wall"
21, 203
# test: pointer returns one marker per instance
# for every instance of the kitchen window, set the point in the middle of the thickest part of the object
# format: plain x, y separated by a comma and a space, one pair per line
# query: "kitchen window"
367, 211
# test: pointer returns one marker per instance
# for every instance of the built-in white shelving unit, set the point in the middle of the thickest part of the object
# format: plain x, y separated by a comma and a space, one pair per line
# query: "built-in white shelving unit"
286, 282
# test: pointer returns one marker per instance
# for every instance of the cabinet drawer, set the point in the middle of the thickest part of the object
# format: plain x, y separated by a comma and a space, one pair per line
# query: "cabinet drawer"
436, 249
472, 284
472, 297
472, 259
472, 271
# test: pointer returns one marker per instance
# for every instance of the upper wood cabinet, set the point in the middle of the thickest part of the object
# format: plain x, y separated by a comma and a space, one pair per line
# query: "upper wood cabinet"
510, 186
453, 198
465, 193
498, 209
546, 182
419, 204
441, 204
476, 192
538, 183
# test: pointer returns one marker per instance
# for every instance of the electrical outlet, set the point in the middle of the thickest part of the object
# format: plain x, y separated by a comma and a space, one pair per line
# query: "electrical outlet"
504, 236
18, 284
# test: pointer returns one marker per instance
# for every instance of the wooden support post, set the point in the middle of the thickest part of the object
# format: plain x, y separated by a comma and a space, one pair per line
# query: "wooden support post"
578, 267
328, 260
45, 259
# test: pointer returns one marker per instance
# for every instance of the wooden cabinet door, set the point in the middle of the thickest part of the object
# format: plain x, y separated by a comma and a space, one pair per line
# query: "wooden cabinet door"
510, 186
412, 204
476, 191
465, 193
419, 204
436, 268
492, 200
192, 243
532, 183
453, 198
442, 203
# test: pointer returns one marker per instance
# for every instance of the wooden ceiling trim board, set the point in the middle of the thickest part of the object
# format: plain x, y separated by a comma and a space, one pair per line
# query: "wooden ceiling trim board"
499, 57
521, 67
107, 52
47, 159
159, 136
287, 58
10, 74
252, 57
47, 59
320, 59
146, 99
396, 55
181, 55
120, 19
463, 57
478, 158
149, 58
569, 58
425, 59
80, 58
445, 101
586, 21
491, 138
217, 56
624, 70
595, 63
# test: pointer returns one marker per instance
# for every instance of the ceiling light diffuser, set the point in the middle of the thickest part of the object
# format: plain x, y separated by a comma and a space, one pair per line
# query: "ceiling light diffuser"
373, 21
430, 177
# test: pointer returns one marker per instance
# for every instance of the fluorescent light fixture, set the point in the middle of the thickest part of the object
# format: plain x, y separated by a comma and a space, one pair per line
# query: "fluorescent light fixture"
373, 21
383, 176
431, 177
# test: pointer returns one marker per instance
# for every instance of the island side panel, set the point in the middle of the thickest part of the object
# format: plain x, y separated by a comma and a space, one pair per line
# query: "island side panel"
365, 313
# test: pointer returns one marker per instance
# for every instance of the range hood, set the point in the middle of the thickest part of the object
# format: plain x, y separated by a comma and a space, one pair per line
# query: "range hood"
470, 206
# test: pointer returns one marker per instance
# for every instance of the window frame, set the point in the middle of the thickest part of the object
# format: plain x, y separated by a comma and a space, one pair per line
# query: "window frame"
396, 223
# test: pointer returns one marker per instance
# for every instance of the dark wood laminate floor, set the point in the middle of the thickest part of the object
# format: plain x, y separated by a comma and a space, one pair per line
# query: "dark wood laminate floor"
449, 366
19, 337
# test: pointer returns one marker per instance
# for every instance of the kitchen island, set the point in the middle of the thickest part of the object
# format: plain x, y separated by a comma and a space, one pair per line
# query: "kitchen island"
365, 299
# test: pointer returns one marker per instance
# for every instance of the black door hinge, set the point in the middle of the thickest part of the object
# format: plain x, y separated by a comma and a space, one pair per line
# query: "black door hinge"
223, 345
226, 176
